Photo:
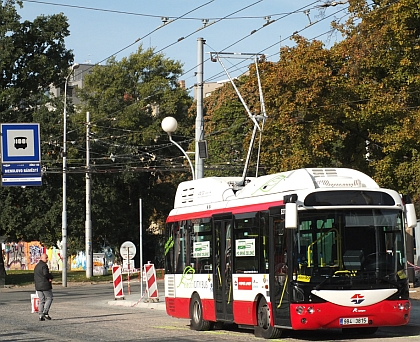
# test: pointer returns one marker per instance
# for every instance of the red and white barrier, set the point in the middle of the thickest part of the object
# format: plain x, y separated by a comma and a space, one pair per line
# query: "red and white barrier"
118, 282
152, 290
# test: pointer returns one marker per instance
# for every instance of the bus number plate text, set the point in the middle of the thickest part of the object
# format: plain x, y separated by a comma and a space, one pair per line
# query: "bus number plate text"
354, 320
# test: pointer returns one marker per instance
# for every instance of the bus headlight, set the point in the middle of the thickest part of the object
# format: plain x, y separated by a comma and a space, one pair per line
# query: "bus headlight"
300, 310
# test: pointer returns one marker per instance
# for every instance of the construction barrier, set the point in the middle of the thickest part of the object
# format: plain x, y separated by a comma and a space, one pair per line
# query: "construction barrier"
152, 290
118, 282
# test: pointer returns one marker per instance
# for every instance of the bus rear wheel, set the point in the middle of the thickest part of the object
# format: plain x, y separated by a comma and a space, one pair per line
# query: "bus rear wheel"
264, 329
196, 315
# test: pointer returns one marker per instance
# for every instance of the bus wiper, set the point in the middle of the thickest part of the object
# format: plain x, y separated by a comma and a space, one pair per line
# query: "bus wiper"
338, 274
322, 283
388, 280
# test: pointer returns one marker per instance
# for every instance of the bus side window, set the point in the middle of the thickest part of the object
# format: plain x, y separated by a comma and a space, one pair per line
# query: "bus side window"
247, 245
171, 241
264, 242
200, 242
180, 248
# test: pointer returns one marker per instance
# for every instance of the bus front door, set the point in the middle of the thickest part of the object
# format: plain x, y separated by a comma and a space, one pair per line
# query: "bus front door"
280, 255
223, 268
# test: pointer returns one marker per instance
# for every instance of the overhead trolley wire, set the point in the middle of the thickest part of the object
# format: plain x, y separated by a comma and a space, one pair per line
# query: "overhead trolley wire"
312, 23
296, 11
201, 28
277, 42
243, 8
146, 35
143, 14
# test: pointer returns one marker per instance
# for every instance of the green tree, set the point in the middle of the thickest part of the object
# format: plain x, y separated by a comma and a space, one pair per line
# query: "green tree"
303, 128
227, 129
127, 101
381, 63
32, 57
354, 105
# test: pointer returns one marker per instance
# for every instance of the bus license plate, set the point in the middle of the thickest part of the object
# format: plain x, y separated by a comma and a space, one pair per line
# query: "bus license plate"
354, 320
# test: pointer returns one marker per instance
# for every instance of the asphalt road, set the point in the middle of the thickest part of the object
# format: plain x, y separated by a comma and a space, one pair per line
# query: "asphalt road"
89, 313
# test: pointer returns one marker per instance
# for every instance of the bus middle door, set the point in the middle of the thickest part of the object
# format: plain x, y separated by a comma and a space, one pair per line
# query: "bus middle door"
223, 226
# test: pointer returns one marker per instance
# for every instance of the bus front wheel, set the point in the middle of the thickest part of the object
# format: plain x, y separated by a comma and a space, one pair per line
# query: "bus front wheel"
196, 315
264, 329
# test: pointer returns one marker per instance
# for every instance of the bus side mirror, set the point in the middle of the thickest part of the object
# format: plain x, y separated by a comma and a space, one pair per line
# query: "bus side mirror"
410, 213
290, 219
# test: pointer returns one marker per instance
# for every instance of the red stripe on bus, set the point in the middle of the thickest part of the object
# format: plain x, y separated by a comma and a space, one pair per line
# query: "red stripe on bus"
180, 308
245, 312
209, 310
233, 210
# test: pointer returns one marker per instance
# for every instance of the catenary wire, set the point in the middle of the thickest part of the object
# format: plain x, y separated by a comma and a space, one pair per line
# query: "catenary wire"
148, 15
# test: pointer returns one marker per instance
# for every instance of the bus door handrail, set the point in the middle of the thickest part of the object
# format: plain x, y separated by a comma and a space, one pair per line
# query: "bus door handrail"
282, 292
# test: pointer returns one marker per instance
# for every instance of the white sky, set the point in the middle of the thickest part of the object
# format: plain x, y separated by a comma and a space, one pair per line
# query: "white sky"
96, 35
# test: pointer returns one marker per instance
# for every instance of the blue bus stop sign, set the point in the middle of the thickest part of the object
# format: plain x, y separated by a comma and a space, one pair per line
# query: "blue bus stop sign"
20, 143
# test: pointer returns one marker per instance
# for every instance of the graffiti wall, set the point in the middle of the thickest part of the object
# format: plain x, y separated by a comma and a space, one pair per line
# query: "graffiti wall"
25, 255
78, 262
105, 260
55, 262
22, 255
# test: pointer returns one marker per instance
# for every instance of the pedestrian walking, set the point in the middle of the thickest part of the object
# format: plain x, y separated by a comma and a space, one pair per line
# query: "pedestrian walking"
43, 286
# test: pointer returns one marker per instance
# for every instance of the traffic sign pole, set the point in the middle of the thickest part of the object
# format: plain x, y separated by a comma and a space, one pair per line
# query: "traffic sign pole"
128, 251
128, 279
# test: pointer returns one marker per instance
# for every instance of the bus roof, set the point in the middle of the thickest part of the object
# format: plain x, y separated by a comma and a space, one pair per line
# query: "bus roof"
220, 189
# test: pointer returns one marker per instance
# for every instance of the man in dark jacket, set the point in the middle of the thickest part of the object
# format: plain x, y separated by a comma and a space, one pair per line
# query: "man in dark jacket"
43, 286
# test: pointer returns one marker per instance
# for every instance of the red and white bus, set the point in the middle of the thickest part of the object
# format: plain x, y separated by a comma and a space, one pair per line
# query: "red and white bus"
304, 249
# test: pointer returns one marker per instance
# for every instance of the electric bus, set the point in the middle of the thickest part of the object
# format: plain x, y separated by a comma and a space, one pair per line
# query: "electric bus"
314, 248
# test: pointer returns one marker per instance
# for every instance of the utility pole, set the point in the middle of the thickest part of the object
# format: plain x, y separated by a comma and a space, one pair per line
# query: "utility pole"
64, 213
88, 222
199, 121
141, 245
417, 243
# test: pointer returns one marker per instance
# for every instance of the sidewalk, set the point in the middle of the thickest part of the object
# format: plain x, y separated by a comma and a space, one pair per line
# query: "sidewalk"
135, 299
415, 307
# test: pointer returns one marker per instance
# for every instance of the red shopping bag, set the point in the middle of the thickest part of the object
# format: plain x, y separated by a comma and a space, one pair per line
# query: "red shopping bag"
34, 302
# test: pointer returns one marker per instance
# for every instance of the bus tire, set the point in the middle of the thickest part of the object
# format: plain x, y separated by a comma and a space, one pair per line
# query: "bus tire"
196, 315
264, 329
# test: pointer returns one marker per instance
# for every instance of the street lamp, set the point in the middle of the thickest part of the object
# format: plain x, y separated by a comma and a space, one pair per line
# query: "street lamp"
169, 125
64, 214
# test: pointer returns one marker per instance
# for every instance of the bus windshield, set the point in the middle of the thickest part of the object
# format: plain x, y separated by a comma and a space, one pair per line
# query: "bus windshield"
357, 243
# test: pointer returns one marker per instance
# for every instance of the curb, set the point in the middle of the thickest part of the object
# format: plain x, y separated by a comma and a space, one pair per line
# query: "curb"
139, 304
